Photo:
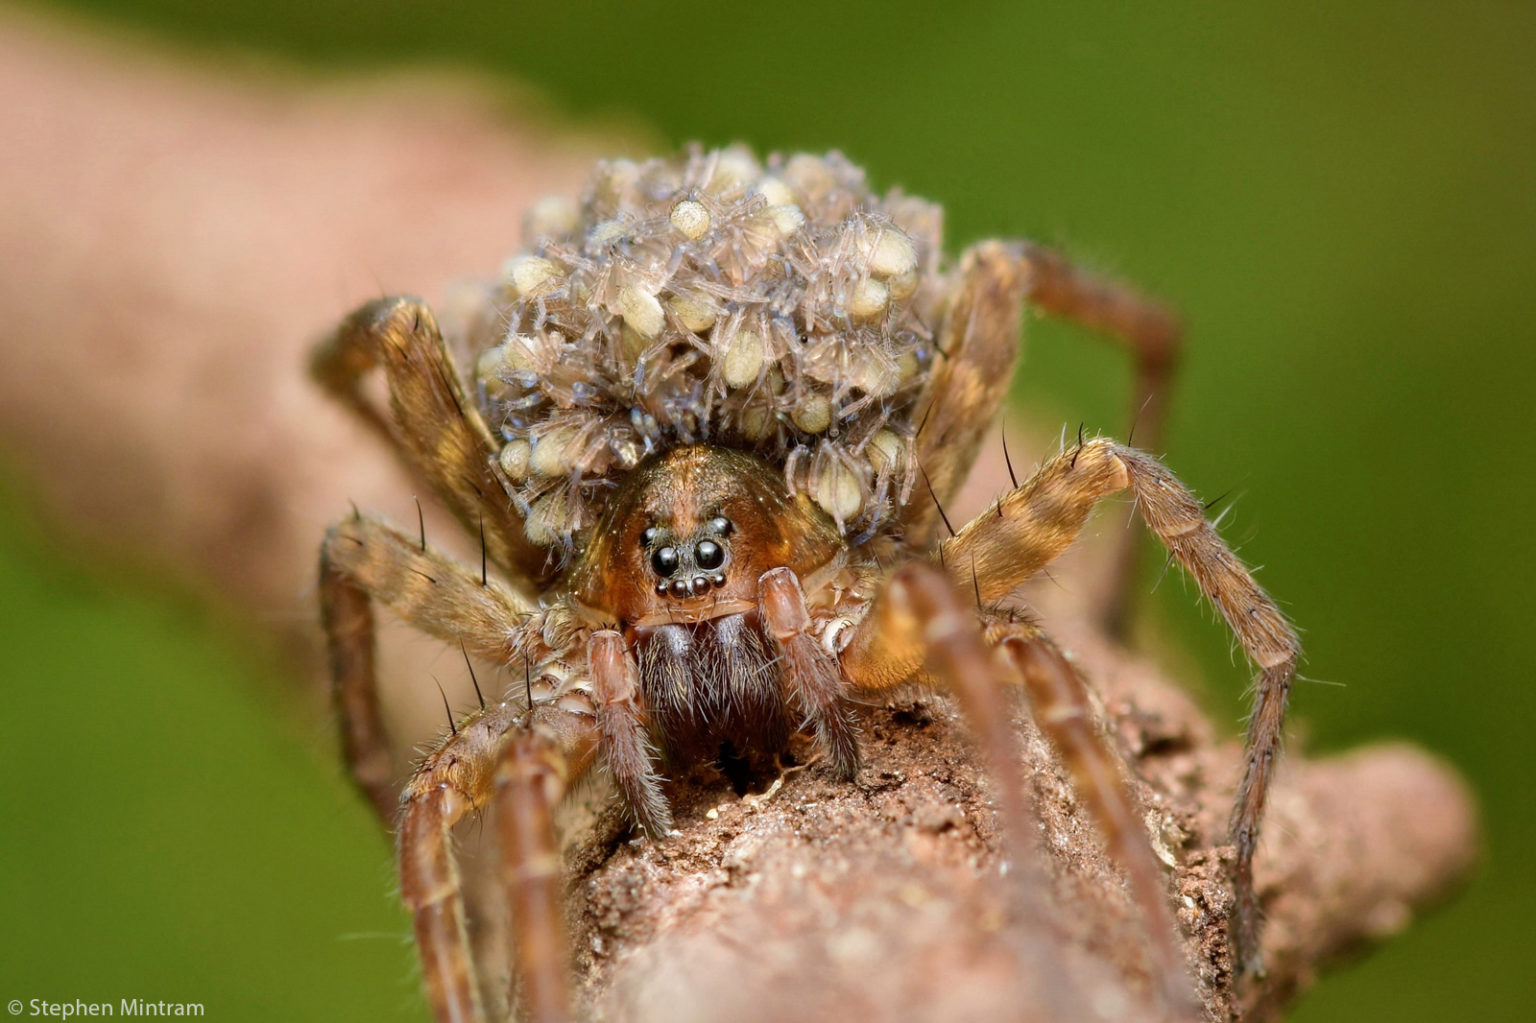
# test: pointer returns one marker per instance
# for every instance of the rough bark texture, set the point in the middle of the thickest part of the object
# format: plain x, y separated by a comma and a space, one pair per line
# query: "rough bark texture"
176, 237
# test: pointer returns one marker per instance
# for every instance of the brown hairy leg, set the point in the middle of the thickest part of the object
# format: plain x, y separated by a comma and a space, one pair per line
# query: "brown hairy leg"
1153, 335
979, 341
436, 428
1059, 699
621, 719
363, 560
1032, 524
988, 676
811, 676
454, 780
528, 760
539, 751
978, 344
917, 615
536, 772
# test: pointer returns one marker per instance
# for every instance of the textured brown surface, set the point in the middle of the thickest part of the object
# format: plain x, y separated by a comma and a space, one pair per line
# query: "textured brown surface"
174, 240
888, 899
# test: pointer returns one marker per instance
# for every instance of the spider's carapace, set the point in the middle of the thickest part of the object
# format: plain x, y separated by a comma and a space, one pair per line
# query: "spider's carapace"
677, 564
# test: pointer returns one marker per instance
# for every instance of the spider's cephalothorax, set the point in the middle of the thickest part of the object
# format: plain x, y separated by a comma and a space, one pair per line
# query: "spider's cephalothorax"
699, 407
677, 562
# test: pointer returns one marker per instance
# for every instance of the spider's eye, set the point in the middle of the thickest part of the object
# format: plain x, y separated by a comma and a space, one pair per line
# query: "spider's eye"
720, 526
709, 555
665, 561
649, 536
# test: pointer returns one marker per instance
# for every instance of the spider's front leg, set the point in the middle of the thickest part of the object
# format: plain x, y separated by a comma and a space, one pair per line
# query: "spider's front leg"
435, 426
1034, 523
526, 760
524, 757
363, 560
920, 617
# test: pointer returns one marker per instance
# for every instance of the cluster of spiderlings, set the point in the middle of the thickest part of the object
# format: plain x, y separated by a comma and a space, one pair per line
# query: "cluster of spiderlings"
776, 307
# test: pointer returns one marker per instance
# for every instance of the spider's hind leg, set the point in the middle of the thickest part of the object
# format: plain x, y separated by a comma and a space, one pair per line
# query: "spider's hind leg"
434, 425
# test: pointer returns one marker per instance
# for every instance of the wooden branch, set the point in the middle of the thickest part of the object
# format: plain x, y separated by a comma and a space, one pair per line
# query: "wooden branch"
176, 239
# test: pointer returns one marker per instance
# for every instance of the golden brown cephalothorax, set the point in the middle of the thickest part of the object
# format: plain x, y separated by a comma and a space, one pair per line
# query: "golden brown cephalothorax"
700, 407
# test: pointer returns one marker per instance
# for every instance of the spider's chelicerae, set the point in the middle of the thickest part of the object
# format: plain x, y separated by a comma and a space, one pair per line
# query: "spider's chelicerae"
716, 411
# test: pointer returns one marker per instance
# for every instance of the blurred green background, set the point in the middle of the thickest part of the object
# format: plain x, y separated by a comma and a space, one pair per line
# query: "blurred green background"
1340, 196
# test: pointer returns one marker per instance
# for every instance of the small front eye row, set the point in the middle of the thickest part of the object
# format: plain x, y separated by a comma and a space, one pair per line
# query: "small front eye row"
706, 555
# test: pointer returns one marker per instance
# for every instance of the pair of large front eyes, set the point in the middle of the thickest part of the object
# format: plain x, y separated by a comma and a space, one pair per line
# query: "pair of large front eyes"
707, 554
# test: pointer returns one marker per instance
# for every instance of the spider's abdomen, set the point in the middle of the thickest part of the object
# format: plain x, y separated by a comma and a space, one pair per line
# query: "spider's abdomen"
778, 307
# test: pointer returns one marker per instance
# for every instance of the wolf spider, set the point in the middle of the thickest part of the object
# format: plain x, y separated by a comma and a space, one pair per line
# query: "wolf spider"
699, 413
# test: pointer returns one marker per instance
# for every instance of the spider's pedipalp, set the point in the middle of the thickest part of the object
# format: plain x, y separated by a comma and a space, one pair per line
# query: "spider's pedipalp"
621, 717
810, 675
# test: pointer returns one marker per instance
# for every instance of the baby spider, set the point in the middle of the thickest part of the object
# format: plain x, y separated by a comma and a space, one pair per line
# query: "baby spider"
716, 411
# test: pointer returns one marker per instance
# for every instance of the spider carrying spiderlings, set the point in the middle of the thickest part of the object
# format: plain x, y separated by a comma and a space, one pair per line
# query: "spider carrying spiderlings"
716, 411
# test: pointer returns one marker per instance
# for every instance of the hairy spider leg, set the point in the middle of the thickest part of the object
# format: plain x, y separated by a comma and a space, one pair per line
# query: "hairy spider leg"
537, 770
978, 344
454, 780
364, 560
920, 617
1062, 707
1035, 522
525, 761
811, 677
434, 426
1153, 335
